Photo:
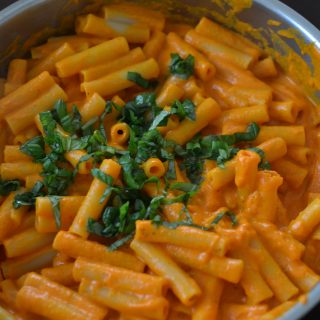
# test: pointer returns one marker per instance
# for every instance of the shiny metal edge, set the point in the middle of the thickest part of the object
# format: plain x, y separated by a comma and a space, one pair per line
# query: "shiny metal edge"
288, 14
16, 8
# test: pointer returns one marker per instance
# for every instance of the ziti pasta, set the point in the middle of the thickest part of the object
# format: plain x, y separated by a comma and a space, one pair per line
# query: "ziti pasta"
155, 170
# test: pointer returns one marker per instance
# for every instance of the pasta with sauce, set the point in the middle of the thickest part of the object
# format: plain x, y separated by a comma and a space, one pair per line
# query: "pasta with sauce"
155, 170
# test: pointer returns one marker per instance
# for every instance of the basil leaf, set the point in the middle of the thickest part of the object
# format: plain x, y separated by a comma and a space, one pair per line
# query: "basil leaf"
185, 109
171, 172
119, 243
69, 121
97, 173
7, 186
160, 119
140, 81
47, 121
228, 214
29, 198
183, 68
184, 186
55, 202
34, 148
95, 227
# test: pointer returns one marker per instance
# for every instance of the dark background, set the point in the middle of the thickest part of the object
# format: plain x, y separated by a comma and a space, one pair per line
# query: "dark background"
310, 9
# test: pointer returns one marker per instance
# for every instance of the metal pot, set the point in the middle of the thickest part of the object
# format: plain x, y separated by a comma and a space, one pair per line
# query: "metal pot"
27, 17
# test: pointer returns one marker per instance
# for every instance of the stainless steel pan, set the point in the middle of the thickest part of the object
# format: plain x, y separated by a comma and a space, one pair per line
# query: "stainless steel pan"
26, 17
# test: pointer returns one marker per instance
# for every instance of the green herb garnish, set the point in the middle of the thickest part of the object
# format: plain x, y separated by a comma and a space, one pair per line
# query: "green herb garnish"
228, 214
183, 68
29, 198
34, 148
7, 186
141, 81
69, 121
55, 202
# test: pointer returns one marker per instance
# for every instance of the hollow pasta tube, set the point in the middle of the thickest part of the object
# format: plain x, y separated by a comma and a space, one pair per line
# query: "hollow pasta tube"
154, 167
184, 287
206, 112
119, 278
75, 247
91, 206
201, 240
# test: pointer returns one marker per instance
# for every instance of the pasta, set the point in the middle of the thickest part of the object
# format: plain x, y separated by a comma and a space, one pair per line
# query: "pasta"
152, 169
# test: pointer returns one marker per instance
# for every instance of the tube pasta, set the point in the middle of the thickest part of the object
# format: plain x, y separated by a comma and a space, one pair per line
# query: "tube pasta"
24, 117
258, 114
220, 267
153, 167
28, 92
120, 133
91, 206
26, 242
300, 154
274, 148
19, 170
153, 46
67, 301
77, 44
206, 112
119, 278
75, 247
202, 240
285, 111
159, 262
282, 241
74, 157
93, 107
265, 68
91, 57
17, 75
168, 94
100, 27
48, 63
154, 307
135, 15
61, 274
293, 135
207, 308
278, 311
214, 49
203, 68
132, 57
255, 287
117, 81
280, 284
306, 221
242, 311
213, 30
268, 184
220, 177
246, 173
16, 267
13, 154
45, 220
293, 174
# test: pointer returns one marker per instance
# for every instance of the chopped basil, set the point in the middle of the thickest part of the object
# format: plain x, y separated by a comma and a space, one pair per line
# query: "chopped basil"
140, 81
183, 68
228, 214
7, 186
34, 148
55, 202
29, 198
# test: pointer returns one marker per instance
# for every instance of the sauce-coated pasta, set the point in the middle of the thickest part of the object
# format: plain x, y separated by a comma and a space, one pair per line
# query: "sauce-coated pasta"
155, 170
